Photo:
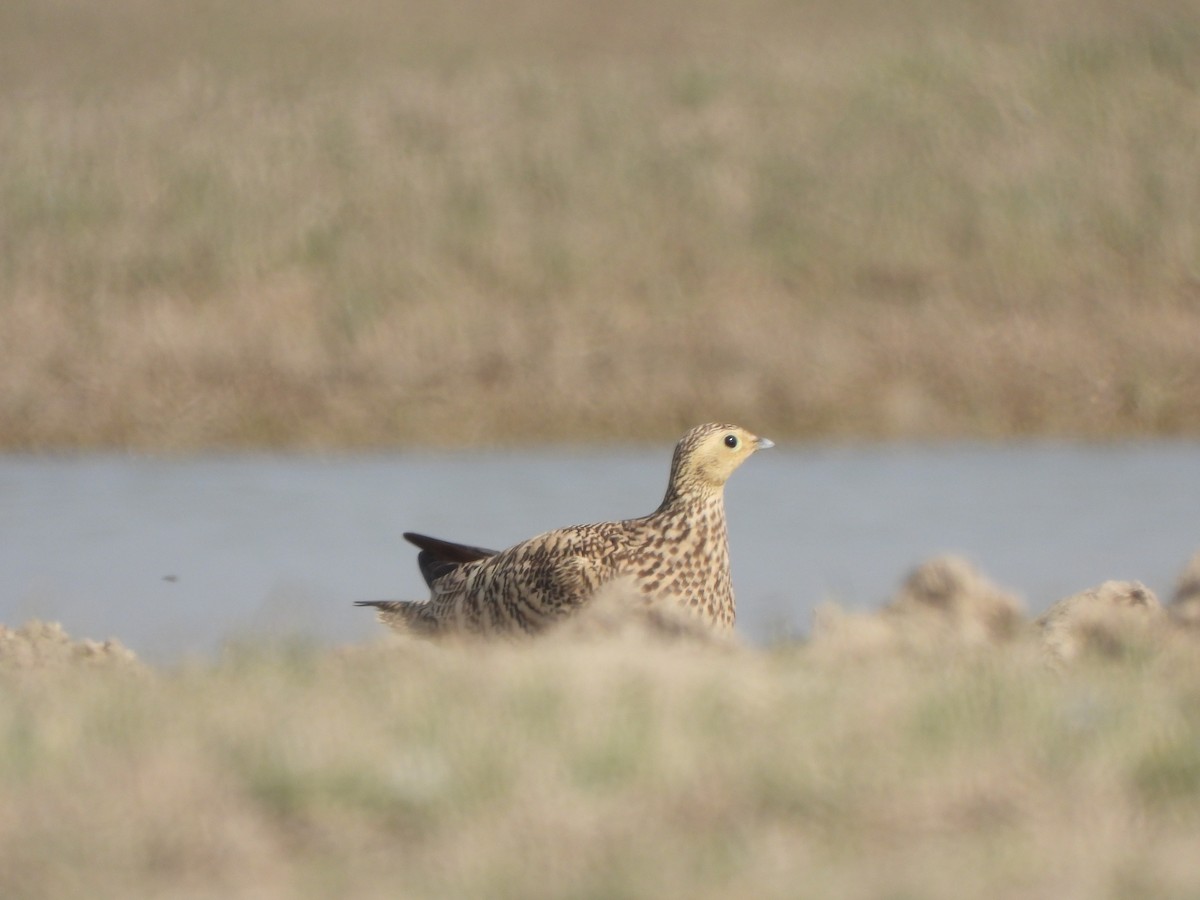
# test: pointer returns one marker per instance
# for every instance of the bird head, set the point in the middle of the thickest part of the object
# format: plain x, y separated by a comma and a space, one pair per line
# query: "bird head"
707, 455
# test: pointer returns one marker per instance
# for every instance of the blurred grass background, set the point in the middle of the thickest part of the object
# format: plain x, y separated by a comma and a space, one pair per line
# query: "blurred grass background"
288, 223
601, 768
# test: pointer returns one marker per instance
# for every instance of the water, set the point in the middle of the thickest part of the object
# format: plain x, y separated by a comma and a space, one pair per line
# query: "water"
174, 557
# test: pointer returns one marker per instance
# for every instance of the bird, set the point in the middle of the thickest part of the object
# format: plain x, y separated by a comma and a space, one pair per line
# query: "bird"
677, 554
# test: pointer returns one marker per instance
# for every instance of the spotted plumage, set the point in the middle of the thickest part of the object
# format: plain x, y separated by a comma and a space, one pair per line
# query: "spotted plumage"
677, 554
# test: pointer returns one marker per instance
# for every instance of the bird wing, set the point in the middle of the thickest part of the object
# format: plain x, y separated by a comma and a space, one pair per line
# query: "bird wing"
439, 558
528, 585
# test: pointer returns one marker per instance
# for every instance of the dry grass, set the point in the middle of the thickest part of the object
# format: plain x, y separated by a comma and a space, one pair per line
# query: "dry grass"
275, 224
609, 767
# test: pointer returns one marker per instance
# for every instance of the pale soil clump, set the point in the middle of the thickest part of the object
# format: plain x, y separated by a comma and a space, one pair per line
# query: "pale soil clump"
946, 604
951, 595
43, 645
1111, 619
946, 601
620, 610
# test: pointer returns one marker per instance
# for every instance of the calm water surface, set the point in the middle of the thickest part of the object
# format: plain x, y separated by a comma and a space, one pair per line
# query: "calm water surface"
176, 556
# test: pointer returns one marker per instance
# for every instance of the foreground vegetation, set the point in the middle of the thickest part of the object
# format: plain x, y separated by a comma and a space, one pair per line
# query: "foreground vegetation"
625, 765
269, 224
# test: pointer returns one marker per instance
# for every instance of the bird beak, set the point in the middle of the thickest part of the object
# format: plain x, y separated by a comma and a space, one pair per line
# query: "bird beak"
764, 444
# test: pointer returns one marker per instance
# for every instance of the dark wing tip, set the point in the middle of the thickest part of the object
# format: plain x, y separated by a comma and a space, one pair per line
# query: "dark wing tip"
447, 551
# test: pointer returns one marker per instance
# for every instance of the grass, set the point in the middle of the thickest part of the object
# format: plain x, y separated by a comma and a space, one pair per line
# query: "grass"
268, 225
600, 768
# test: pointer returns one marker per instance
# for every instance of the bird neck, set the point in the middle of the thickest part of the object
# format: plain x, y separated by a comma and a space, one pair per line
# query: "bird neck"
686, 488
691, 496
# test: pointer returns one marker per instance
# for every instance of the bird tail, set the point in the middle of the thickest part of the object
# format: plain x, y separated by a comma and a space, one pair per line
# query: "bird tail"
404, 616
439, 558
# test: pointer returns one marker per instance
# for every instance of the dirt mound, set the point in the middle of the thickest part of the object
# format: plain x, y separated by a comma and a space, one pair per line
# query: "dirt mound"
41, 645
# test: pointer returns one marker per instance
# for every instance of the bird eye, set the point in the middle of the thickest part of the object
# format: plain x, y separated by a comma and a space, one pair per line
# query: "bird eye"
731, 441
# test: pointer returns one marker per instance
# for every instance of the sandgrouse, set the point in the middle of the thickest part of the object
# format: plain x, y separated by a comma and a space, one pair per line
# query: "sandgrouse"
677, 554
